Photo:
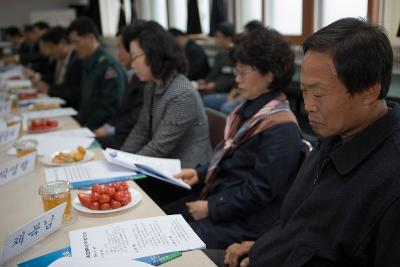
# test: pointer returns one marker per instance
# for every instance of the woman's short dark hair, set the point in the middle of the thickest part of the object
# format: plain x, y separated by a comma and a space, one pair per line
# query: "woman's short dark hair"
84, 26
267, 51
253, 25
55, 35
163, 54
361, 53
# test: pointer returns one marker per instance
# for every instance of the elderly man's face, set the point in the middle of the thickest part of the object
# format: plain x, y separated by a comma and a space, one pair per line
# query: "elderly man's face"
331, 109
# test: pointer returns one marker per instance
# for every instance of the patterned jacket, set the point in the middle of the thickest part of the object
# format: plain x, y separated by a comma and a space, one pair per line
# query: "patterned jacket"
172, 124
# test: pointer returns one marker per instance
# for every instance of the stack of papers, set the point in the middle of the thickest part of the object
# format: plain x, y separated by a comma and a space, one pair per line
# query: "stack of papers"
87, 174
47, 100
135, 239
18, 84
160, 168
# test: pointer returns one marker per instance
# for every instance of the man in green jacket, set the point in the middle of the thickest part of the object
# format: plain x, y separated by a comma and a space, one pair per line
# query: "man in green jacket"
103, 79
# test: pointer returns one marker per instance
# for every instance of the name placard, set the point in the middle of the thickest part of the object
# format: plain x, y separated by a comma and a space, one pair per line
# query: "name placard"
5, 107
32, 232
16, 168
9, 134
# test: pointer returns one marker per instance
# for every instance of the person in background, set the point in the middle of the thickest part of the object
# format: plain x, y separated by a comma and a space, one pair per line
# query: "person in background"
39, 65
68, 70
114, 133
226, 102
195, 55
220, 79
343, 208
14, 37
103, 79
238, 195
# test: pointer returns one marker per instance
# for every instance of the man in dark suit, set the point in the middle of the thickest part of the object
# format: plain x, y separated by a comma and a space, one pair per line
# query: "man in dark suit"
197, 58
68, 70
343, 207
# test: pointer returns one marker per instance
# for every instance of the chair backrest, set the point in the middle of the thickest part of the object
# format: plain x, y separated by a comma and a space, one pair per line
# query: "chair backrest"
216, 125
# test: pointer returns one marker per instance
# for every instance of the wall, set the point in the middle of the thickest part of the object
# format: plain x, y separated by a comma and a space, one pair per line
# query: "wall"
391, 19
16, 12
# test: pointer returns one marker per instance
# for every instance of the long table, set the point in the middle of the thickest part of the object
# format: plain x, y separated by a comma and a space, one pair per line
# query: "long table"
20, 202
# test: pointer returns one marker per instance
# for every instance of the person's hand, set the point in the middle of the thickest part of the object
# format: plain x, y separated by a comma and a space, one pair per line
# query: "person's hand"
198, 209
201, 82
29, 73
235, 252
42, 87
189, 176
210, 86
101, 131
245, 262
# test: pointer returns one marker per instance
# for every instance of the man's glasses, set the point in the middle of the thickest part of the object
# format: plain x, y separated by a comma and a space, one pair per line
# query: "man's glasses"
242, 72
133, 58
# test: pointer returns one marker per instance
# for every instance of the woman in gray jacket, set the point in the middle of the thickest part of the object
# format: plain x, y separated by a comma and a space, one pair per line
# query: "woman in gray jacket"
172, 122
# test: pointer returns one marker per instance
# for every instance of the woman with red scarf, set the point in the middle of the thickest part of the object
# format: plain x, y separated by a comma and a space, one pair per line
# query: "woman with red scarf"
238, 195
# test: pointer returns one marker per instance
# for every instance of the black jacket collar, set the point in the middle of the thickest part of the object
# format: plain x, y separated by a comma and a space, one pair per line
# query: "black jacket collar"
250, 107
354, 151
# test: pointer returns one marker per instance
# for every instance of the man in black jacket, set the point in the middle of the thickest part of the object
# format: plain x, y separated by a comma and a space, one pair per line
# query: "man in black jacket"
68, 70
344, 206
195, 55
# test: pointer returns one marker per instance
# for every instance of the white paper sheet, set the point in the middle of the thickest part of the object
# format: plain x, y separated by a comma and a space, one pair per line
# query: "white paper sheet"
18, 84
47, 100
5, 107
9, 134
94, 170
159, 168
16, 71
83, 262
135, 238
50, 144
52, 113
81, 132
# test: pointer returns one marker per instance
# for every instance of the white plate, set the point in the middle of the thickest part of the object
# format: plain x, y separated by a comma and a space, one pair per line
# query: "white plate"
136, 198
47, 160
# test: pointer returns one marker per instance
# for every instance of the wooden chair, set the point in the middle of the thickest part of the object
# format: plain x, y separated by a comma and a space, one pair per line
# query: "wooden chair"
216, 125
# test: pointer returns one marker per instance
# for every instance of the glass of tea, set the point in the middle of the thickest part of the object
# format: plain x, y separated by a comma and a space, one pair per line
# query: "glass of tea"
55, 193
25, 147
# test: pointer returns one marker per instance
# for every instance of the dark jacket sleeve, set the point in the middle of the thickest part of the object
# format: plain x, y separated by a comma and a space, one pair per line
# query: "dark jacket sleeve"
110, 100
276, 159
70, 89
385, 248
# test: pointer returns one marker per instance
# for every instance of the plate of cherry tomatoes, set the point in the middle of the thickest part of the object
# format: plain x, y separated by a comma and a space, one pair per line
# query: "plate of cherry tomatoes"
108, 198
43, 125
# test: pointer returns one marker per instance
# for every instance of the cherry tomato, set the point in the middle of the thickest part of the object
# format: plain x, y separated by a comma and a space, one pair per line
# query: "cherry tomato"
94, 206
85, 199
104, 198
105, 206
115, 204
128, 195
118, 195
109, 191
95, 196
124, 201
96, 188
